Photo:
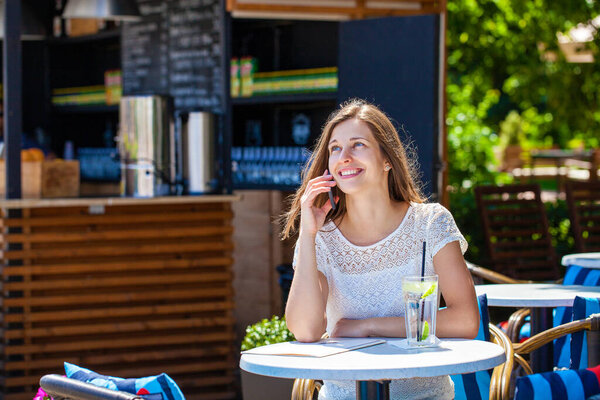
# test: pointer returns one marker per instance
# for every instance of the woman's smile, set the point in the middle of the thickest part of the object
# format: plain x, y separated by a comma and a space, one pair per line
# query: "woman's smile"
346, 173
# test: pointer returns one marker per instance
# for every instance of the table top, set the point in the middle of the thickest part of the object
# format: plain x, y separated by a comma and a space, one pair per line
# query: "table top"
535, 294
382, 362
586, 260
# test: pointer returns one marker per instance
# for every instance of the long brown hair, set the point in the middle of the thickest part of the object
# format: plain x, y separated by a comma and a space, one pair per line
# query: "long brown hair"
402, 177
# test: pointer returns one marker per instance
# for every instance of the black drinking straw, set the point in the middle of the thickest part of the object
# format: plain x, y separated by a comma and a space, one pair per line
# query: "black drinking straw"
421, 300
423, 262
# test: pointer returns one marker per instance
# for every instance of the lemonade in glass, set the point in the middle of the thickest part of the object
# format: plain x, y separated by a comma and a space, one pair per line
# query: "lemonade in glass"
421, 305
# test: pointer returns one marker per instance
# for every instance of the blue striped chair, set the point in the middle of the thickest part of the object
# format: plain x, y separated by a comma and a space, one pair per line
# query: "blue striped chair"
575, 275
579, 382
583, 307
482, 385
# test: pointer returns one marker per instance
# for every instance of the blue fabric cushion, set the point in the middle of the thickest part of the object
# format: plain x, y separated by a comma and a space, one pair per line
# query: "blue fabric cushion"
583, 307
476, 385
564, 385
575, 275
159, 387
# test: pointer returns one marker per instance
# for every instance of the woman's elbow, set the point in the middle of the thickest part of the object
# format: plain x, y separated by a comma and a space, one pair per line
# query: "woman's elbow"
472, 327
304, 333
306, 337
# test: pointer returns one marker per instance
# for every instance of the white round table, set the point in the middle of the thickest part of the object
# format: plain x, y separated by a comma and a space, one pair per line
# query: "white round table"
541, 298
381, 362
586, 260
535, 294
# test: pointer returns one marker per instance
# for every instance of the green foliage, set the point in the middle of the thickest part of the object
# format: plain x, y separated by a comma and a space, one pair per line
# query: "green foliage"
500, 79
503, 45
266, 332
559, 226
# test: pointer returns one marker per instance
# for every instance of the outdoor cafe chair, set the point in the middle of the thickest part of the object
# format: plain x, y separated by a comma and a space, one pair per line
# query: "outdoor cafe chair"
575, 376
583, 202
61, 387
477, 385
516, 231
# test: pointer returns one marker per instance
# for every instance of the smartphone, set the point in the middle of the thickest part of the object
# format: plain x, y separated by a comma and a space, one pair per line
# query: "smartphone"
331, 199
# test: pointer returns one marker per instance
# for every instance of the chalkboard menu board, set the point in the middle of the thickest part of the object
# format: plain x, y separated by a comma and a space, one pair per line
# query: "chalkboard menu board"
176, 49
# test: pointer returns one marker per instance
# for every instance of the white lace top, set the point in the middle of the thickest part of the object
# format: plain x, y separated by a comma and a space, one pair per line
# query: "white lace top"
365, 282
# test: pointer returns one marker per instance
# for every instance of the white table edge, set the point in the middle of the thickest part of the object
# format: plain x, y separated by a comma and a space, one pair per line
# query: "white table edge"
534, 302
586, 260
357, 374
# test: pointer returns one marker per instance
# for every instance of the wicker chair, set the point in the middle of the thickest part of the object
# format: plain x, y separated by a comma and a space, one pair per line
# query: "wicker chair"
590, 324
583, 201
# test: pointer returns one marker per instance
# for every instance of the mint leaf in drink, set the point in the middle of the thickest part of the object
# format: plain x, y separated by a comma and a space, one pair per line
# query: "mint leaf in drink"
429, 291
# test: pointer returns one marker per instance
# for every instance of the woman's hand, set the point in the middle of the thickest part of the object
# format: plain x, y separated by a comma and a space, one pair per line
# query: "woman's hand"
351, 328
312, 218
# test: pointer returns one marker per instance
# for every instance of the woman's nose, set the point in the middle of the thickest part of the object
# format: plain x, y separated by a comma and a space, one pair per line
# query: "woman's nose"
345, 155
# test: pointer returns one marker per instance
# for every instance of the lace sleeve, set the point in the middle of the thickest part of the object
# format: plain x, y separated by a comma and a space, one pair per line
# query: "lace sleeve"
321, 253
443, 230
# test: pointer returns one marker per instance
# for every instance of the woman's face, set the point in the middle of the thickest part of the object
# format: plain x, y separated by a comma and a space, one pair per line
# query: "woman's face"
355, 158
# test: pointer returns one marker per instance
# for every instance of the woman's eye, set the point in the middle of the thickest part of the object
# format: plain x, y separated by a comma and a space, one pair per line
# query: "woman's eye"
334, 148
358, 144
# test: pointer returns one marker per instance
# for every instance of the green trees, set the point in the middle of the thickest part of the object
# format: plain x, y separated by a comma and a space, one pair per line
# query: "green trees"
503, 56
497, 52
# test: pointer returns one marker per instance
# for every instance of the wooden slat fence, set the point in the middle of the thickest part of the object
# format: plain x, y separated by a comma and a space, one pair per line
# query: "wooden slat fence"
136, 290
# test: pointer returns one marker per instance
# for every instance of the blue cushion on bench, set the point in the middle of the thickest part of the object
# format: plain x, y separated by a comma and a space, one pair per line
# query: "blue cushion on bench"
568, 384
159, 387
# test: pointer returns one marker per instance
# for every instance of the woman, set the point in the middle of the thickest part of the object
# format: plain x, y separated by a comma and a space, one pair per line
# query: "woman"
349, 261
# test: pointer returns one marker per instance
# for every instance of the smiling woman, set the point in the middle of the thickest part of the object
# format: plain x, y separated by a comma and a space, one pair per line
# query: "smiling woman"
349, 260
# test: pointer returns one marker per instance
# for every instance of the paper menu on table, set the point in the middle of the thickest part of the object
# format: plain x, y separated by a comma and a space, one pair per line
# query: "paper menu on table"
322, 348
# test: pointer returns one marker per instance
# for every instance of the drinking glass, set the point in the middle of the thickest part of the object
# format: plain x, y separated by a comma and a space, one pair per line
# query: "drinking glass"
421, 305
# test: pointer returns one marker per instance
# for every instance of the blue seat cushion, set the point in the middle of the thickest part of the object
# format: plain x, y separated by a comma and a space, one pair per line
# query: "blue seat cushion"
568, 384
476, 385
583, 307
575, 275
159, 387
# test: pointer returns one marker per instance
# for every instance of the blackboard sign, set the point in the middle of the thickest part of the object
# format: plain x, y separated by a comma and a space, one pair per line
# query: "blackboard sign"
176, 49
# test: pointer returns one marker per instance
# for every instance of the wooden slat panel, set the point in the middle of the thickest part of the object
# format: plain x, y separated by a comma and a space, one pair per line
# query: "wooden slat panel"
135, 326
118, 297
154, 264
121, 357
116, 343
119, 219
133, 280
119, 312
116, 251
158, 233
135, 291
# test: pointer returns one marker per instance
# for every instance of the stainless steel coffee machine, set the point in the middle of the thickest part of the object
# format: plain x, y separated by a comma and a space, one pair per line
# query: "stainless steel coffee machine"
146, 146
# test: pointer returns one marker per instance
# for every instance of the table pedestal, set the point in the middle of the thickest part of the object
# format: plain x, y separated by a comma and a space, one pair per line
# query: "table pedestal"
372, 390
542, 360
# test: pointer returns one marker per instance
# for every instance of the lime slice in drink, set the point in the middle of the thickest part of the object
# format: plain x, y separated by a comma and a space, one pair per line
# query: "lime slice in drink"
425, 330
429, 291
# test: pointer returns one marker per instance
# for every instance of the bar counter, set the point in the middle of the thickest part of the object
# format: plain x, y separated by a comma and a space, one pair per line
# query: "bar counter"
123, 286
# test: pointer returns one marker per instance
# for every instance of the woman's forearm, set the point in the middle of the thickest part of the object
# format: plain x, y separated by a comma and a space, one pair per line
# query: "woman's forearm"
305, 310
451, 323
